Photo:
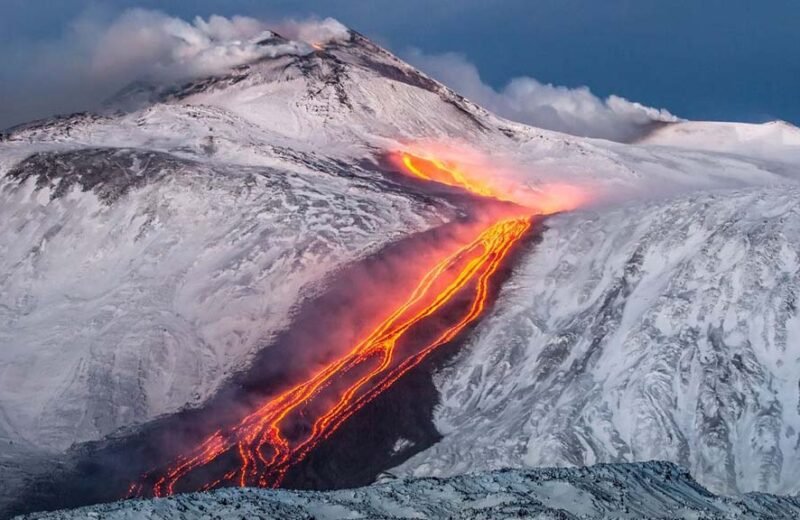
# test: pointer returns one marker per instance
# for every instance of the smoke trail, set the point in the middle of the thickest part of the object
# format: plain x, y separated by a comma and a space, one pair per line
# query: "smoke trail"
96, 58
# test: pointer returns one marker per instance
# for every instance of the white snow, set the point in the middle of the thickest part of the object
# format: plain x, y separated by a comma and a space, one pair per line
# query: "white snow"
614, 341
652, 331
772, 141
114, 314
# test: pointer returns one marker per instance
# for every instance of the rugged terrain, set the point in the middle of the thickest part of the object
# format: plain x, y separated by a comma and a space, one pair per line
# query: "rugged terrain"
642, 490
151, 251
661, 330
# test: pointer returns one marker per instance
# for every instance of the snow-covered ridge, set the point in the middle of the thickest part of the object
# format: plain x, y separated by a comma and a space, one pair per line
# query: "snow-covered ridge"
774, 140
665, 330
351, 98
624, 491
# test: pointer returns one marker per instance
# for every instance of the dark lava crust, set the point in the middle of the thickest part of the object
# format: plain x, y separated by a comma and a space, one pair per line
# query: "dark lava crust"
362, 449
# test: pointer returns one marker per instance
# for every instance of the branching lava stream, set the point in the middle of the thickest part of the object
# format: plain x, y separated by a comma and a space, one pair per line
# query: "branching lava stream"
267, 442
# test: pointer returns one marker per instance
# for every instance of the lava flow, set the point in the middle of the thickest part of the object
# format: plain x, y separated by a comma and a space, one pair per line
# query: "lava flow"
436, 170
267, 442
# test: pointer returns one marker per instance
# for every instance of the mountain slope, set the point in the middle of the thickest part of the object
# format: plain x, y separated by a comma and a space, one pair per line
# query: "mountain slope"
665, 330
127, 301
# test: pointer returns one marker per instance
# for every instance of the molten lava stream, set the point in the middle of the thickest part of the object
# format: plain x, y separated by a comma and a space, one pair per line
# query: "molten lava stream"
267, 442
436, 170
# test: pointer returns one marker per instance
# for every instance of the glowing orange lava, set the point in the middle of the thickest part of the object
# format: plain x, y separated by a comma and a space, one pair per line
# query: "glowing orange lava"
541, 197
266, 452
443, 172
266, 443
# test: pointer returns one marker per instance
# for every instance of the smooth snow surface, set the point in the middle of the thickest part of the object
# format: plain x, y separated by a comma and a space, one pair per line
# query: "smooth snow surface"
771, 140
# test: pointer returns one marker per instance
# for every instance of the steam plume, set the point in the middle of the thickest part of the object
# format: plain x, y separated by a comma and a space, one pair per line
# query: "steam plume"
575, 111
95, 58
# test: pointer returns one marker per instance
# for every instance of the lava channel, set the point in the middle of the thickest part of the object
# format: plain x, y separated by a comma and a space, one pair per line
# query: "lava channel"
267, 442
433, 169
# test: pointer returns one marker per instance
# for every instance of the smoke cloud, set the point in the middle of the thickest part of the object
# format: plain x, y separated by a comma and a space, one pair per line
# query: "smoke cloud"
96, 58
572, 110
314, 31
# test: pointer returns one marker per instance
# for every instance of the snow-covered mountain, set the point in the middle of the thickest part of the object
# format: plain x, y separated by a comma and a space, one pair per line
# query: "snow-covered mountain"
661, 330
141, 246
149, 252
625, 491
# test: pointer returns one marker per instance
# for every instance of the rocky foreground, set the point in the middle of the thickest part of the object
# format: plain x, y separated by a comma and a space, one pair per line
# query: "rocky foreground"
640, 490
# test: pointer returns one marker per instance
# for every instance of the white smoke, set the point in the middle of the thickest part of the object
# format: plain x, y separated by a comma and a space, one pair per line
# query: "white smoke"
572, 110
152, 44
313, 31
96, 58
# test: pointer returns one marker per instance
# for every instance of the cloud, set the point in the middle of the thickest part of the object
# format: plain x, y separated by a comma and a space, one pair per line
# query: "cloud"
572, 110
95, 58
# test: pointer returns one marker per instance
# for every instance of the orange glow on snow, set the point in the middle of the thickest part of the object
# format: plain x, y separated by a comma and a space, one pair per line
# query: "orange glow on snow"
265, 453
264, 444
543, 199
436, 170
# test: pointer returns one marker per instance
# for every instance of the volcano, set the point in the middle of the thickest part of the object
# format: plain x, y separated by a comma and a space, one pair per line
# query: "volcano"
173, 265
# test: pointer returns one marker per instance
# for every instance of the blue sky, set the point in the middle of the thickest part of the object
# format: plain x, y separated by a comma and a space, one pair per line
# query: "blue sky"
700, 59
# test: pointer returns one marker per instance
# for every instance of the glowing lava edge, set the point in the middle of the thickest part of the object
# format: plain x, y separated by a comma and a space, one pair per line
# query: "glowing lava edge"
265, 451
